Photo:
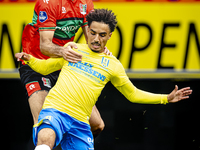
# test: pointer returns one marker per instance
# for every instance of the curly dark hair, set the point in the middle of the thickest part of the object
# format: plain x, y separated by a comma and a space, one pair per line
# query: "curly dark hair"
103, 15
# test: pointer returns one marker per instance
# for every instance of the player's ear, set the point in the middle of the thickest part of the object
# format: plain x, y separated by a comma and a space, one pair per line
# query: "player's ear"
110, 34
87, 29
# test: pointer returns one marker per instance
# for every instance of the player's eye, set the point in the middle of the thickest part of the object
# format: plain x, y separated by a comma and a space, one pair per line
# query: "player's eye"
92, 33
102, 35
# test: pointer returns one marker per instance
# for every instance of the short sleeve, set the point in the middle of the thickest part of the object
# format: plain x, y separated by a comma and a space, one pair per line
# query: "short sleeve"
47, 11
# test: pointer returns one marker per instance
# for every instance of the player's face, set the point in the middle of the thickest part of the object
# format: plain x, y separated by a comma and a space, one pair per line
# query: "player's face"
98, 35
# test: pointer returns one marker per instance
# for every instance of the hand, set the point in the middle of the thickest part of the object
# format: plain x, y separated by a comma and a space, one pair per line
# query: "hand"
107, 52
70, 55
22, 56
178, 95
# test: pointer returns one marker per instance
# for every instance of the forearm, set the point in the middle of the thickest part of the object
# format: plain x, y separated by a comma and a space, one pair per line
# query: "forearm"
138, 96
144, 97
50, 49
45, 67
47, 47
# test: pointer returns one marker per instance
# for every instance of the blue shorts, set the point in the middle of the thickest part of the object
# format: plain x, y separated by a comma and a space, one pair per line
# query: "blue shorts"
70, 133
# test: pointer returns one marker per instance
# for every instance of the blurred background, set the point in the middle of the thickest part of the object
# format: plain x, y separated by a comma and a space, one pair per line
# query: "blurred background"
158, 43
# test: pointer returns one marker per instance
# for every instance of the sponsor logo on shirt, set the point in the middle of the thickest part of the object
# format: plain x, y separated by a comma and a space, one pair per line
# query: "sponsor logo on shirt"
83, 8
68, 28
87, 70
105, 62
42, 16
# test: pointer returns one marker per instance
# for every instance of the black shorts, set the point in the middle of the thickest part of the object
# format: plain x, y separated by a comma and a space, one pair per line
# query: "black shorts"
33, 81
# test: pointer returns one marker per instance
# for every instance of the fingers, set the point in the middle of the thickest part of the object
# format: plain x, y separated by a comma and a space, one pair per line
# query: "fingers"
184, 89
71, 59
70, 55
185, 92
176, 87
107, 52
72, 45
22, 56
177, 95
75, 54
185, 97
188, 92
19, 56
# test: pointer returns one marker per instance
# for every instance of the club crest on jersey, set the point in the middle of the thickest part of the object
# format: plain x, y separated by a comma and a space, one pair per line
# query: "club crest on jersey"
83, 8
63, 10
42, 16
105, 62
46, 82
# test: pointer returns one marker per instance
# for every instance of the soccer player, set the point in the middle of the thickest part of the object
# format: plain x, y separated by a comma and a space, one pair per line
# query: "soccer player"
54, 24
67, 108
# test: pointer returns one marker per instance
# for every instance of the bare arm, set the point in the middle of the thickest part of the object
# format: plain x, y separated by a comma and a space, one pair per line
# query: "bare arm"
50, 49
47, 47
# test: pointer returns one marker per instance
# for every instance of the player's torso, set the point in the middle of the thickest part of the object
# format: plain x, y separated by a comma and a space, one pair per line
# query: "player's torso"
88, 77
69, 16
95, 69
80, 84
70, 19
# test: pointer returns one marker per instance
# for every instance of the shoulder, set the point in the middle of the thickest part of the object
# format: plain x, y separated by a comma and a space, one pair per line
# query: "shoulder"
89, 2
77, 44
112, 58
69, 43
110, 62
90, 5
47, 4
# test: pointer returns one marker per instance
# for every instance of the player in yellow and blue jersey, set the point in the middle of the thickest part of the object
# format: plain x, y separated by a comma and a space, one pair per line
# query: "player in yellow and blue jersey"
68, 106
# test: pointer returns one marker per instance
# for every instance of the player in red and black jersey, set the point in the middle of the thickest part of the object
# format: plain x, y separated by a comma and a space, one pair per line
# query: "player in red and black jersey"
54, 24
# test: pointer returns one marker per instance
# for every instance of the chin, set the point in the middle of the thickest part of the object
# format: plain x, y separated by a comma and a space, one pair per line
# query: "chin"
95, 50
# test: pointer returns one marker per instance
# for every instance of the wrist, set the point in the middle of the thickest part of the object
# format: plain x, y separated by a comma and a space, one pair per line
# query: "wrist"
164, 99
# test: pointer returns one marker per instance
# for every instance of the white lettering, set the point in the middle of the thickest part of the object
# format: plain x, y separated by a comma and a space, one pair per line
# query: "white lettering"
32, 86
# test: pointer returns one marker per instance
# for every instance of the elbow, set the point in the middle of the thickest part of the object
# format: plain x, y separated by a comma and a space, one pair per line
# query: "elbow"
42, 49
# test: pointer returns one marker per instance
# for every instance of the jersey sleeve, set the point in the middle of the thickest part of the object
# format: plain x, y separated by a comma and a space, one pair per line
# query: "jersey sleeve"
90, 7
121, 81
119, 77
45, 67
47, 11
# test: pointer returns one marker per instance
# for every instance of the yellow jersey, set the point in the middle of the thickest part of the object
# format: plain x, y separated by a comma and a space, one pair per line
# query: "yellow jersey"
80, 84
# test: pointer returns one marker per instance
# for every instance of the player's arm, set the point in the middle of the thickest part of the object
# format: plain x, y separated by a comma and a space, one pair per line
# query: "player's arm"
44, 67
135, 95
50, 49
46, 20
